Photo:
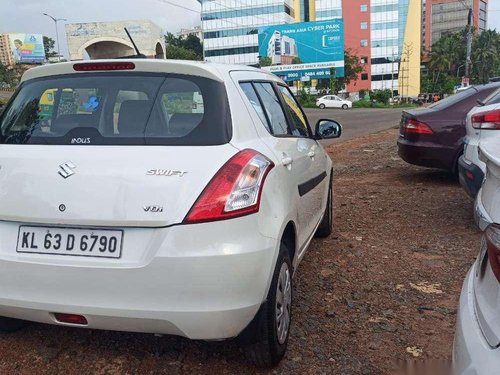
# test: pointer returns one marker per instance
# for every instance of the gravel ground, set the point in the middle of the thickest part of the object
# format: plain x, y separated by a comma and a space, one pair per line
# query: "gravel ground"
382, 288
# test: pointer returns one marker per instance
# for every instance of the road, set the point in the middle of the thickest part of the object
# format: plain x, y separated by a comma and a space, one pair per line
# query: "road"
357, 122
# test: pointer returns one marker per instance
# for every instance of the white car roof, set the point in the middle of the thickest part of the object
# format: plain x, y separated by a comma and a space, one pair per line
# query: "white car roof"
210, 70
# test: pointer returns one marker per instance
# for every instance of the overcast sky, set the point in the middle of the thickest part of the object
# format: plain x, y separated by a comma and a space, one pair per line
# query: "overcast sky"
26, 15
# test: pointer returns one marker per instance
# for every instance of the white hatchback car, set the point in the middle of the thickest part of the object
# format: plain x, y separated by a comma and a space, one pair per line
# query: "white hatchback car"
159, 196
480, 125
477, 338
333, 101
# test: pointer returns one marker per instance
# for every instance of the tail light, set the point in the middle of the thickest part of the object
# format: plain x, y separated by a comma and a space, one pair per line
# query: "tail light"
96, 66
492, 235
234, 191
487, 120
414, 126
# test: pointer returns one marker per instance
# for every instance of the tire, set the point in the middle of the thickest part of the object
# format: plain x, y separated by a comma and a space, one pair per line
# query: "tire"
266, 340
11, 325
325, 227
345, 106
322, 106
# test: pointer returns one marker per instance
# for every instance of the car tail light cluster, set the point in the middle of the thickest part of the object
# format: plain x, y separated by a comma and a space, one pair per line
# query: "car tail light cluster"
96, 66
234, 191
414, 126
487, 120
492, 235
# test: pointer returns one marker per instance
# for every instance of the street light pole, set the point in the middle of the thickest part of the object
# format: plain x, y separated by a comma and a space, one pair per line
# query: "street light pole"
57, 33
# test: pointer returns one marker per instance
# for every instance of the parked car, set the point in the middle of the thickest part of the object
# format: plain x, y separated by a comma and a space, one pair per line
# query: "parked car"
482, 121
476, 348
433, 136
333, 101
130, 209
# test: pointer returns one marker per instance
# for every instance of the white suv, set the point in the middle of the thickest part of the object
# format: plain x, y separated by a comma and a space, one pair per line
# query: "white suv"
159, 196
480, 125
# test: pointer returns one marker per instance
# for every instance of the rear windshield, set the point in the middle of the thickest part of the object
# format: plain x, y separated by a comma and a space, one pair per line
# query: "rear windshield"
493, 99
453, 99
118, 109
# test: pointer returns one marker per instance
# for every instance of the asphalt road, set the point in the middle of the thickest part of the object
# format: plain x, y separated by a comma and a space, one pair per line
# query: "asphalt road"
357, 122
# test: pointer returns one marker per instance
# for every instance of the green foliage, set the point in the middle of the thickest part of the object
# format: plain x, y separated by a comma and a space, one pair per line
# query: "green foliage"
352, 68
189, 48
381, 96
265, 61
439, 83
296, 60
448, 56
306, 99
180, 53
48, 46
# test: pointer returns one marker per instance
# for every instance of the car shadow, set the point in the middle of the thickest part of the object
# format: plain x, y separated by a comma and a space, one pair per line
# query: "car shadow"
417, 175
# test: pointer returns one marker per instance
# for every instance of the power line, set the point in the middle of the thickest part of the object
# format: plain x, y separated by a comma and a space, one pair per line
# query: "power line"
179, 6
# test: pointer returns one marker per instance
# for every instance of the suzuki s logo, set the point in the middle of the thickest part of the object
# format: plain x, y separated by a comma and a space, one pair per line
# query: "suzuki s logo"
66, 169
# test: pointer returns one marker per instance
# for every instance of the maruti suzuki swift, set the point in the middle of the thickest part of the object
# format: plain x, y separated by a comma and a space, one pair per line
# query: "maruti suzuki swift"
163, 197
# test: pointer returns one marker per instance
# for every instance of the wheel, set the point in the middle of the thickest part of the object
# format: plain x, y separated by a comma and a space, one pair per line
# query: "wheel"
11, 325
345, 106
325, 227
266, 338
322, 106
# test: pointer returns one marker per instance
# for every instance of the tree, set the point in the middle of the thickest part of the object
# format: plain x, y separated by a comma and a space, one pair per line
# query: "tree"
180, 53
352, 68
485, 57
189, 48
48, 46
296, 60
265, 61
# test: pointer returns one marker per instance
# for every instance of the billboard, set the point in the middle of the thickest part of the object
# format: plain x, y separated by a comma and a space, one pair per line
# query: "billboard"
27, 48
306, 49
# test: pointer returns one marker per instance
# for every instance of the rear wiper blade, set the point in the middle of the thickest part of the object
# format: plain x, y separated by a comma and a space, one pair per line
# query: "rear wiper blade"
480, 102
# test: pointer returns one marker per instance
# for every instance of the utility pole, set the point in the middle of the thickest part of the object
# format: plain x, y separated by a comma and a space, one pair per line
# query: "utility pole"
56, 20
468, 61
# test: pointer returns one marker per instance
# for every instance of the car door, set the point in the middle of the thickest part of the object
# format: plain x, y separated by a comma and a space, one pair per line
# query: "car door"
317, 185
337, 102
291, 149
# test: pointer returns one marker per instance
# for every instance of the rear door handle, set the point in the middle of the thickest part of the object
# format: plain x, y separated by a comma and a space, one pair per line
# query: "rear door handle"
311, 154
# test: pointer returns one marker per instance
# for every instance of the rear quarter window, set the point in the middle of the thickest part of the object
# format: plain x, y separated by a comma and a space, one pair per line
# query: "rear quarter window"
118, 109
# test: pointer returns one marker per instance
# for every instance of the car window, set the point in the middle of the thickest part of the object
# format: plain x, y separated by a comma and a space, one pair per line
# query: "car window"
109, 109
494, 98
273, 108
453, 99
295, 112
250, 93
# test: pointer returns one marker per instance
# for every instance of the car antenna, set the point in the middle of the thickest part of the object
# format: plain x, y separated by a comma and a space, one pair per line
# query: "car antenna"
138, 54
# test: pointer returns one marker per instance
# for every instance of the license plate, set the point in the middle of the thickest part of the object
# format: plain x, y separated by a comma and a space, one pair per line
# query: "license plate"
70, 241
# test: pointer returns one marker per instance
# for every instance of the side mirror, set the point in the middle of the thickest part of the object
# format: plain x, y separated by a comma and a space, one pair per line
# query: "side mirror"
328, 129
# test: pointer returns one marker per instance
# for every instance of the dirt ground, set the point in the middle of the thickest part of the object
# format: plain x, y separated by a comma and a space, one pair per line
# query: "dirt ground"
382, 288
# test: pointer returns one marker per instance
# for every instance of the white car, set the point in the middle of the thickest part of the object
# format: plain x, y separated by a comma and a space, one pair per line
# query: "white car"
333, 101
477, 337
481, 124
156, 196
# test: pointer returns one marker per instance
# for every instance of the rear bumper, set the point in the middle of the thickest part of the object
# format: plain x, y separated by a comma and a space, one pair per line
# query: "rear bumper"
206, 281
426, 154
471, 353
470, 176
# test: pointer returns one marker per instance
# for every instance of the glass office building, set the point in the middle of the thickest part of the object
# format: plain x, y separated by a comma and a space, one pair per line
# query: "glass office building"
382, 33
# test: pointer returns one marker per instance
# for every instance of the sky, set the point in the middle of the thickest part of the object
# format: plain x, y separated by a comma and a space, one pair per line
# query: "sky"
26, 15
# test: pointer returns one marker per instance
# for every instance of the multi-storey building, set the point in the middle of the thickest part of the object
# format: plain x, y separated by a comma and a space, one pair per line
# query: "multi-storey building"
384, 34
230, 27
6, 57
449, 16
